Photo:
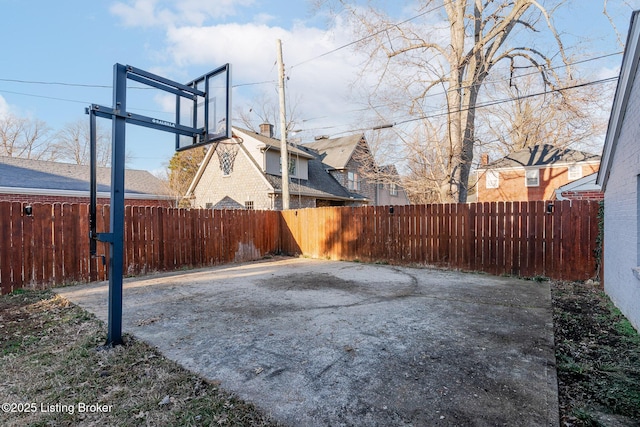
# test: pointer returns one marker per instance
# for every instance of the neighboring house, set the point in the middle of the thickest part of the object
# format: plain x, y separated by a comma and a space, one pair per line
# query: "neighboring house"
533, 173
36, 181
247, 175
351, 163
390, 191
581, 189
619, 177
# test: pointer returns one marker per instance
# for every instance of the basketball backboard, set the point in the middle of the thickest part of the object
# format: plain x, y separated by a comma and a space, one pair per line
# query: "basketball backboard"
210, 114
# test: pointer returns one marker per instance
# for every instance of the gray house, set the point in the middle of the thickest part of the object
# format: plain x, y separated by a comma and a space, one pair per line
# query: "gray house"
619, 177
37, 181
248, 174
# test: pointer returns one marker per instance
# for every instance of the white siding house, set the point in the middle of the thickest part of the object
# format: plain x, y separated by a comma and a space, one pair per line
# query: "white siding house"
619, 177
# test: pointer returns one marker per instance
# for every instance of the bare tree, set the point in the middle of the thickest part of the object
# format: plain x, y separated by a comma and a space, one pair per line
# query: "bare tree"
265, 109
453, 58
522, 118
25, 138
72, 144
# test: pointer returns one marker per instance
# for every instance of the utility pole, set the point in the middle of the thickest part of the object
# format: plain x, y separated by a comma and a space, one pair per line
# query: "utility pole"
284, 152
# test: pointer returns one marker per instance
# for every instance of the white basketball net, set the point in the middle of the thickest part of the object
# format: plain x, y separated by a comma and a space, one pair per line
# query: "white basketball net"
227, 156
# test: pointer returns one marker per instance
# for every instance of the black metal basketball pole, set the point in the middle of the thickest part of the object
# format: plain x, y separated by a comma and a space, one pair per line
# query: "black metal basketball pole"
119, 116
116, 222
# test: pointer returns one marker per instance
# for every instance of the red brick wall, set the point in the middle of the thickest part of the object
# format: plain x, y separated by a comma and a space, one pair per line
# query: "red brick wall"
512, 184
26, 198
583, 195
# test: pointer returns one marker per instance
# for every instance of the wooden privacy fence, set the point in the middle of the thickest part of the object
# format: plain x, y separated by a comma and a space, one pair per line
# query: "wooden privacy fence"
514, 238
51, 247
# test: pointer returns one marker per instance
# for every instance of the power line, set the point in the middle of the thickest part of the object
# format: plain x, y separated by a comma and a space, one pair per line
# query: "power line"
368, 36
481, 105
96, 86
45, 97
489, 81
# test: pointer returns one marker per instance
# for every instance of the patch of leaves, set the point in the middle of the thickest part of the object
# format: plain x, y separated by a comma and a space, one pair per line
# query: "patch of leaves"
598, 357
50, 354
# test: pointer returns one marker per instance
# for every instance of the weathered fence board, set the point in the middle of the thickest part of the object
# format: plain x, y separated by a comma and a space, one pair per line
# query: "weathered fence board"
516, 238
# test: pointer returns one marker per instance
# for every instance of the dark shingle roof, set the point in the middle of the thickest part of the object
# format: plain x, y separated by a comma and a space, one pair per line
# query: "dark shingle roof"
320, 184
37, 174
542, 155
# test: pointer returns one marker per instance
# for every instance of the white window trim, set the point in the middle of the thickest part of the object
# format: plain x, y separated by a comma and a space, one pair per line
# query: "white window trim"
577, 172
537, 177
353, 181
490, 177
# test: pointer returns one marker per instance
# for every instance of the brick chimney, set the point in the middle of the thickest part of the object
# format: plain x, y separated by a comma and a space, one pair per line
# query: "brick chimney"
484, 159
266, 129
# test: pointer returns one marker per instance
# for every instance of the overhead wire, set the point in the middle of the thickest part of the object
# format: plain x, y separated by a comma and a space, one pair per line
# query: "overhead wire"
478, 106
369, 36
296, 65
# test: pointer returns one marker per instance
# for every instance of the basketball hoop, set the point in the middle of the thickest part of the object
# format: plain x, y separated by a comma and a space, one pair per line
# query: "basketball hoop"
227, 150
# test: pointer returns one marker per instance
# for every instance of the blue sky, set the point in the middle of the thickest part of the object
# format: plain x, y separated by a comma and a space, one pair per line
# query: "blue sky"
77, 42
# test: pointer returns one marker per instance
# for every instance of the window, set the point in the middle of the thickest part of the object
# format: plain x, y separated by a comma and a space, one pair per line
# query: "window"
492, 179
353, 181
393, 189
248, 205
292, 166
575, 172
532, 177
208, 206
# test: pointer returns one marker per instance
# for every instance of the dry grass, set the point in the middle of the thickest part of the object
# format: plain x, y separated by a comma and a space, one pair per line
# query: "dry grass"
50, 355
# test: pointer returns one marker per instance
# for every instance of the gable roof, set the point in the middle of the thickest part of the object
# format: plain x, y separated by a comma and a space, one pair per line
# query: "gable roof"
541, 155
273, 143
36, 176
319, 184
336, 152
621, 99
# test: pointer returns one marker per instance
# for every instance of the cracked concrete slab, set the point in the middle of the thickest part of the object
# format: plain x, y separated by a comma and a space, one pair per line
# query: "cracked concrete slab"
316, 342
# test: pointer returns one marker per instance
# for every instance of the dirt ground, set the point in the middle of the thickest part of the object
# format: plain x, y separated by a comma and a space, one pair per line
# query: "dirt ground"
598, 358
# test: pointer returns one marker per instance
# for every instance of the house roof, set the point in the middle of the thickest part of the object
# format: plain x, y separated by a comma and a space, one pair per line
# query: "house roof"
273, 143
320, 184
621, 99
541, 155
336, 152
66, 178
586, 183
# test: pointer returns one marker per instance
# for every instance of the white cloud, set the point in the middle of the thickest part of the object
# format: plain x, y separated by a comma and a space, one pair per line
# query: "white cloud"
321, 85
608, 72
318, 85
4, 107
148, 13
